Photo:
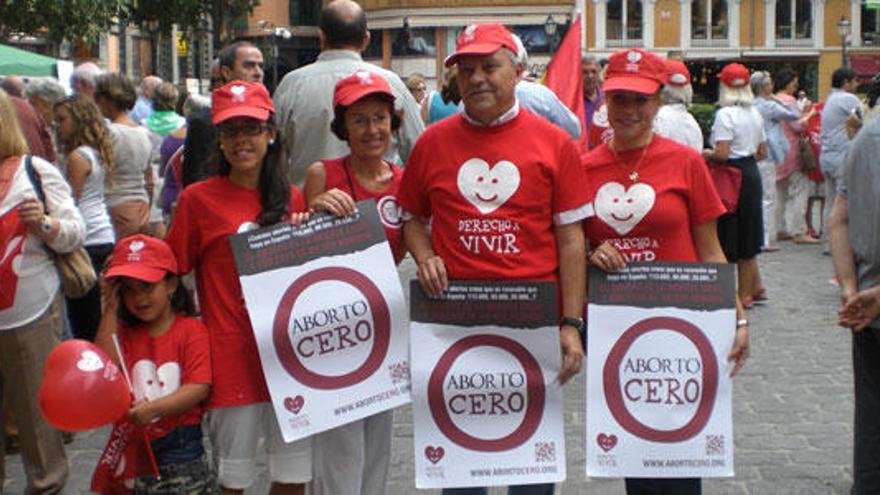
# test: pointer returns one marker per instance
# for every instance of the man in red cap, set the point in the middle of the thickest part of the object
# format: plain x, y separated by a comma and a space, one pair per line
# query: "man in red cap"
673, 120
501, 187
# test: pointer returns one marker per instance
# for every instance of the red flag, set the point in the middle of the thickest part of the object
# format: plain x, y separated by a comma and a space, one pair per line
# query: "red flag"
564, 77
127, 456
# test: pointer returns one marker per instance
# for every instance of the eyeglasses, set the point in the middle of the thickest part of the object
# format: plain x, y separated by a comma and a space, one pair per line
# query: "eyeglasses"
248, 129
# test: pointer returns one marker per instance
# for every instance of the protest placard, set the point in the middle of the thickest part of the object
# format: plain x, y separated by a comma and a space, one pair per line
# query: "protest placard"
658, 385
329, 317
487, 408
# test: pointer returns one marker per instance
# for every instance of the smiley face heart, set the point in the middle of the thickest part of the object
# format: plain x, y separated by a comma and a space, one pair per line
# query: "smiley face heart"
487, 188
606, 442
294, 404
434, 454
151, 383
621, 208
90, 361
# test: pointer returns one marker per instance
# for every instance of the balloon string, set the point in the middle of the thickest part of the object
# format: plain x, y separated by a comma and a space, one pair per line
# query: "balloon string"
122, 362
147, 442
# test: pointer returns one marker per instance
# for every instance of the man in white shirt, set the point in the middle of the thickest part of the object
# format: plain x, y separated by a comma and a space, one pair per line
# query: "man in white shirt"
304, 98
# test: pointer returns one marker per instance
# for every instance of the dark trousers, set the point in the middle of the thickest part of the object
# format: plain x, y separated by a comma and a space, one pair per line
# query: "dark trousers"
84, 313
866, 372
545, 489
663, 486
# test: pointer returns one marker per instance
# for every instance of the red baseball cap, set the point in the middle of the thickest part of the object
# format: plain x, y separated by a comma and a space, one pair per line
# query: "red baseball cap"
734, 75
359, 85
142, 257
677, 73
481, 39
636, 70
241, 99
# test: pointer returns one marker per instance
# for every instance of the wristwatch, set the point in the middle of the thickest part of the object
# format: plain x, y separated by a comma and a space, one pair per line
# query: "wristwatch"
46, 224
580, 325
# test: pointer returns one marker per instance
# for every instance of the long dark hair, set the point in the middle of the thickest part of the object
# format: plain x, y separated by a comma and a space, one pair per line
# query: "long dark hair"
200, 152
273, 184
181, 303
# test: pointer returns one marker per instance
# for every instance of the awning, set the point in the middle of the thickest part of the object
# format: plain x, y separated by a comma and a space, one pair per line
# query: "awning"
15, 62
865, 65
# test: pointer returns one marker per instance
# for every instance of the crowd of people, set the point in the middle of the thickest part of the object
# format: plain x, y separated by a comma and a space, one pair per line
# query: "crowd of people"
152, 182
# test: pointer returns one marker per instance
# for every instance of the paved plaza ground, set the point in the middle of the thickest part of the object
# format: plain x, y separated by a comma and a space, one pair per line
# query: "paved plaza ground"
793, 401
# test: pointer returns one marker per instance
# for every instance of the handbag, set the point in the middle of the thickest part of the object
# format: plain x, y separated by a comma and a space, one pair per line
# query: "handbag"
74, 268
808, 158
728, 181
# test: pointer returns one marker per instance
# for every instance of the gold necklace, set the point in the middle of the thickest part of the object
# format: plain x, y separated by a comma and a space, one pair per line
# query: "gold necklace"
634, 175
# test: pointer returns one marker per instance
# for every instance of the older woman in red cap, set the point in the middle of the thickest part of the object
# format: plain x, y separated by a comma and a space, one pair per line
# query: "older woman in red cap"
250, 190
672, 207
738, 140
354, 458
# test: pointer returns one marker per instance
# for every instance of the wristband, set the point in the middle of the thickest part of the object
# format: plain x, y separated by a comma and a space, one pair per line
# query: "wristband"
742, 323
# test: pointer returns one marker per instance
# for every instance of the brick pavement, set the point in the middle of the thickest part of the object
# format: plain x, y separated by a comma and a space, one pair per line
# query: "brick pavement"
792, 402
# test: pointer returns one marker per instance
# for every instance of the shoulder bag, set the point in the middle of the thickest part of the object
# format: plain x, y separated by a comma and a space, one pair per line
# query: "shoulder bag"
75, 268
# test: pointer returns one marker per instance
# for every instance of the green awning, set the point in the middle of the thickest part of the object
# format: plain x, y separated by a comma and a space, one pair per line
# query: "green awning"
15, 62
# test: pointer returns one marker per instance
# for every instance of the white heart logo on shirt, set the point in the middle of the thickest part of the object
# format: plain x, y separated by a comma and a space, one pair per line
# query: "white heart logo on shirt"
89, 361
622, 208
487, 189
151, 383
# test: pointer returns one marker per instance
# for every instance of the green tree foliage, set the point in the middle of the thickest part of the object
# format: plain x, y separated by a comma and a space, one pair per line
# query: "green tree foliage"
189, 15
59, 19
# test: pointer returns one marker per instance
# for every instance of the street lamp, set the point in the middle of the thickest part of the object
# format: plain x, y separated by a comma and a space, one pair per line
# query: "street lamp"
275, 32
844, 28
550, 28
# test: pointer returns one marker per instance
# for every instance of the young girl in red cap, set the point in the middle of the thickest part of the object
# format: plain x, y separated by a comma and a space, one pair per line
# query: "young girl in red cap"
250, 190
165, 349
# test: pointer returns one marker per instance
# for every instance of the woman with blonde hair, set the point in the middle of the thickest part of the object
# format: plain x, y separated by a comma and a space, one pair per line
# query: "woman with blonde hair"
30, 302
86, 161
739, 140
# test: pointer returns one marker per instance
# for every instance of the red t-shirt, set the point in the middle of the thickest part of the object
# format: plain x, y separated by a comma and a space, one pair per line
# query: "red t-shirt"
159, 366
340, 176
494, 195
650, 219
207, 214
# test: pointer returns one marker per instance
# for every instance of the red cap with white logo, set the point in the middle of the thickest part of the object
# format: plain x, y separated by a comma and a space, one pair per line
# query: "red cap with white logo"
481, 39
142, 257
241, 99
734, 75
678, 73
636, 70
359, 85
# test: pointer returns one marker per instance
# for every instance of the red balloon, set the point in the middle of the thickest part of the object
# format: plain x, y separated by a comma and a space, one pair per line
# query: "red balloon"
82, 388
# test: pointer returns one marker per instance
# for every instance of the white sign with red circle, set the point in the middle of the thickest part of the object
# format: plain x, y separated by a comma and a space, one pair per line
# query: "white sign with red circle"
333, 337
487, 409
659, 392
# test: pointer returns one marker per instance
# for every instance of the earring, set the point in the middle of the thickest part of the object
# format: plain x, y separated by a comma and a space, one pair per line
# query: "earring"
271, 141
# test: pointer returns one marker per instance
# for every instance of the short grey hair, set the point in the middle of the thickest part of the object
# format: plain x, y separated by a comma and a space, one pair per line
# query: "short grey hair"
45, 88
521, 53
757, 81
677, 94
86, 72
195, 103
589, 58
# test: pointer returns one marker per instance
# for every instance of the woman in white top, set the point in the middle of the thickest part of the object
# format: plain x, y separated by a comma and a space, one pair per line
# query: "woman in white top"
30, 302
132, 177
673, 120
87, 162
739, 141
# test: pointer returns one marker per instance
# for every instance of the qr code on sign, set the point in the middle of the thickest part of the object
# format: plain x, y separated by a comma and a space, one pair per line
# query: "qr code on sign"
714, 444
545, 452
399, 372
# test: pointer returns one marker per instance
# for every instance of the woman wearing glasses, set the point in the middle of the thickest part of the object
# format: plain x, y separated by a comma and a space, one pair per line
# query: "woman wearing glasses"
250, 190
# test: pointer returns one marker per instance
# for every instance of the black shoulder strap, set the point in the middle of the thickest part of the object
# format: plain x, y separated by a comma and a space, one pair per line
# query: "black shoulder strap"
35, 179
